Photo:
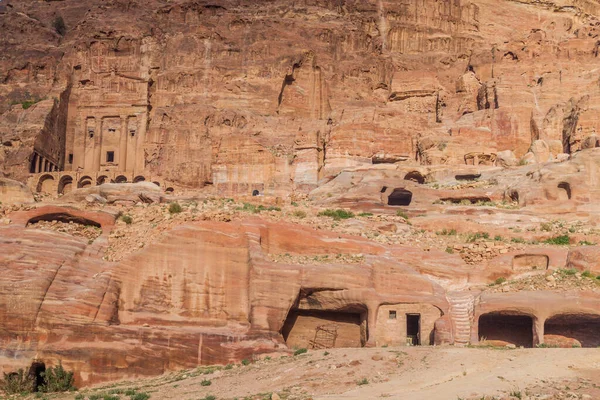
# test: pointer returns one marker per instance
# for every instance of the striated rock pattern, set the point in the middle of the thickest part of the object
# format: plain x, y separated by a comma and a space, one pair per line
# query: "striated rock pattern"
278, 96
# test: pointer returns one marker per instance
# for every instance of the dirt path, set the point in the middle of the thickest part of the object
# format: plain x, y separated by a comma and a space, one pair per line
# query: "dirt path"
445, 373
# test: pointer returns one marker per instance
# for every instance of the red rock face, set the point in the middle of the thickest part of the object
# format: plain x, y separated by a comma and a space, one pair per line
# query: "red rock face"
276, 97
205, 294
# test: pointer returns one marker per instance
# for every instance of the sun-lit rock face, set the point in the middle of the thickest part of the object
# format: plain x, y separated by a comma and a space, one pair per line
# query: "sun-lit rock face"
277, 97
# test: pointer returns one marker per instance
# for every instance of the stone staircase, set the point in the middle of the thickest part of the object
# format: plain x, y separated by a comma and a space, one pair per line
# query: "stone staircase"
461, 312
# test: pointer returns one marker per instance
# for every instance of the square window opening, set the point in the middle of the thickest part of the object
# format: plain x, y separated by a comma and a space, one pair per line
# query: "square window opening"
70, 158
392, 314
110, 156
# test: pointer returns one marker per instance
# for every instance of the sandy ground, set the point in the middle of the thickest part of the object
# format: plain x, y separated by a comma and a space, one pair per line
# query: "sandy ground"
417, 373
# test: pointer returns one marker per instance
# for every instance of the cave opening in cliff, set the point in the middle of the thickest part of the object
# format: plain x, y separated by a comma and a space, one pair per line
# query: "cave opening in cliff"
63, 217
415, 176
400, 197
505, 327
36, 372
467, 177
573, 330
565, 191
317, 329
255, 193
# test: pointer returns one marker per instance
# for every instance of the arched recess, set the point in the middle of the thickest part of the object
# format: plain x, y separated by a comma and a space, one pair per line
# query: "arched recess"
255, 193
45, 184
400, 197
121, 179
63, 217
506, 327
84, 182
65, 185
169, 190
102, 179
138, 178
156, 183
565, 191
572, 330
415, 176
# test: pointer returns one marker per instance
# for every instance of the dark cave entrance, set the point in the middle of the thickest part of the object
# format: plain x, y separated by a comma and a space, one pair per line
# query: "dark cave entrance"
400, 197
506, 327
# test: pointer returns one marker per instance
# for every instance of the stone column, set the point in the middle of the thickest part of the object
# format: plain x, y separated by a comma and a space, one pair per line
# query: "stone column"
538, 331
97, 140
40, 164
123, 145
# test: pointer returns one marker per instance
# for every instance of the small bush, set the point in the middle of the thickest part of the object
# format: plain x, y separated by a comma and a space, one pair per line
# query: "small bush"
402, 214
562, 240
587, 274
59, 25
299, 214
586, 243
57, 379
209, 397
472, 237
18, 382
245, 362
175, 208
140, 396
228, 366
365, 214
326, 353
517, 240
546, 227
500, 281
127, 219
205, 382
498, 238
337, 214
300, 351
449, 250
363, 381
445, 232
568, 272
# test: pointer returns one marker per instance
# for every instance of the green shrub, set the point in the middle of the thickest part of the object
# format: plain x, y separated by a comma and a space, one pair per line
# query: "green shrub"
587, 274
18, 382
472, 237
57, 379
500, 281
568, 272
300, 351
228, 366
498, 238
59, 25
326, 353
140, 396
363, 381
402, 214
127, 219
336, 214
205, 382
130, 392
562, 240
517, 240
365, 214
449, 250
245, 362
175, 208
209, 397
